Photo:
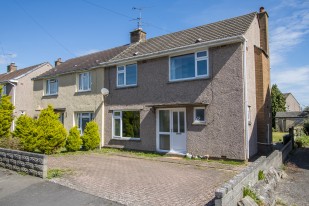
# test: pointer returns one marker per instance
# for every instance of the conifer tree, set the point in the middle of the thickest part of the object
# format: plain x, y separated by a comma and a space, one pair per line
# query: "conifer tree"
25, 130
91, 137
51, 134
277, 102
74, 141
6, 114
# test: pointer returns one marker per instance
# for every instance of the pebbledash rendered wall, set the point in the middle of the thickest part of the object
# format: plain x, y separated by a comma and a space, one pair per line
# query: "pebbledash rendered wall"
27, 162
230, 193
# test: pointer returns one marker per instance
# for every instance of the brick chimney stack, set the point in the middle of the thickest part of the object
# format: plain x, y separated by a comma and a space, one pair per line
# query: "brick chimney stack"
12, 67
138, 35
263, 21
58, 62
262, 81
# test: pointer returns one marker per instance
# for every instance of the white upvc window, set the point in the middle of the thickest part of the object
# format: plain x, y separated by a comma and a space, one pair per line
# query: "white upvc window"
84, 81
199, 115
127, 75
51, 87
82, 119
189, 66
126, 125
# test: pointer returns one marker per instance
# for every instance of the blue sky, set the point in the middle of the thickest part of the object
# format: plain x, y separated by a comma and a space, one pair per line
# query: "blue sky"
35, 31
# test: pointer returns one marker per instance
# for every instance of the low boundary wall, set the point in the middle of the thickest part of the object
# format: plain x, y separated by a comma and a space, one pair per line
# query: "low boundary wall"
27, 162
232, 192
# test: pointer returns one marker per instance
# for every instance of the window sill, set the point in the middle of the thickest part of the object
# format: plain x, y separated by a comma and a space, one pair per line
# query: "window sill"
126, 139
186, 80
50, 95
82, 91
126, 87
199, 123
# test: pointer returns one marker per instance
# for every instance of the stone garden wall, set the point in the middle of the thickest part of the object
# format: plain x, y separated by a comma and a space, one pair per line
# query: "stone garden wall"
232, 192
27, 162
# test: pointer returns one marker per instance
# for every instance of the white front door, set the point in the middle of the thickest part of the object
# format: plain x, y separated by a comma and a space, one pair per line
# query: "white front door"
171, 130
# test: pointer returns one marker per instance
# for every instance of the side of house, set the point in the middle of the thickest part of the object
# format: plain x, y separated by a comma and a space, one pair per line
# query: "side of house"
19, 86
291, 103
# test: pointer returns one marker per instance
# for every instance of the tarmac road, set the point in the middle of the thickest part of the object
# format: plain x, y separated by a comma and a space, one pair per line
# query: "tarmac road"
17, 190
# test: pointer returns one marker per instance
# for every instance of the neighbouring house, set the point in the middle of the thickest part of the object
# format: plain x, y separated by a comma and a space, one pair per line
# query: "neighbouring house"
17, 83
291, 103
286, 120
204, 90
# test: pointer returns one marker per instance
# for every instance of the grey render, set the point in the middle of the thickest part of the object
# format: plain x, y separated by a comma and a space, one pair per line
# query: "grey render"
291, 103
222, 93
22, 91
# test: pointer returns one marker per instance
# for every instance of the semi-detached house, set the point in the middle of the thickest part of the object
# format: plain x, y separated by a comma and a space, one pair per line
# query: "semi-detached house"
203, 90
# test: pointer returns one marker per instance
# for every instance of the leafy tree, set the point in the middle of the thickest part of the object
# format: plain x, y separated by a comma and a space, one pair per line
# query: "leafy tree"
25, 130
6, 114
131, 124
91, 137
51, 134
306, 109
277, 102
73, 141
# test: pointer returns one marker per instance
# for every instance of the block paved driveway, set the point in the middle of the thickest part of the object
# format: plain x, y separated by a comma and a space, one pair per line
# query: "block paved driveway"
135, 181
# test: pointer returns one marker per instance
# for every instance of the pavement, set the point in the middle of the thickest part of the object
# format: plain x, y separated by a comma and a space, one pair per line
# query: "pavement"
294, 190
19, 190
142, 181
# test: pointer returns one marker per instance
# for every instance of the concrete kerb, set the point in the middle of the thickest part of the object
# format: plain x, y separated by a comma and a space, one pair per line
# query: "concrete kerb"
232, 192
27, 162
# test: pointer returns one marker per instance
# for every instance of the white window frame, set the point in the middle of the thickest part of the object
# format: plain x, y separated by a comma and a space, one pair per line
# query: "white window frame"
81, 83
196, 59
194, 115
48, 86
80, 115
124, 72
121, 129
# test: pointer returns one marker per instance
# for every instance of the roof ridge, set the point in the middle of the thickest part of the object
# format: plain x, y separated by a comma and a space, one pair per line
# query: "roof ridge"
201, 26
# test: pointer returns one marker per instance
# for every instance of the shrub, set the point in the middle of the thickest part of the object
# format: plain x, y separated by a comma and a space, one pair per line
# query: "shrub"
302, 141
6, 115
51, 134
306, 128
10, 143
73, 141
261, 175
25, 130
91, 137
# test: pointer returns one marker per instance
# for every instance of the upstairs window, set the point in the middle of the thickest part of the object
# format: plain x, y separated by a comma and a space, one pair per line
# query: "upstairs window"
84, 80
51, 87
189, 66
127, 75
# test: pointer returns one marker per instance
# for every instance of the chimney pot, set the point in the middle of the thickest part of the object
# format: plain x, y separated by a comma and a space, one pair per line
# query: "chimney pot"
262, 9
137, 35
12, 67
58, 62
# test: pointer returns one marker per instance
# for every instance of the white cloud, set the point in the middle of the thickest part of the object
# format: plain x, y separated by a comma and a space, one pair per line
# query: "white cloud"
7, 58
294, 80
288, 31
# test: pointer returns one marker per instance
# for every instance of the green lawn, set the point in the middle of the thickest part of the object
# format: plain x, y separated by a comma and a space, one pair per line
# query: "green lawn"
278, 136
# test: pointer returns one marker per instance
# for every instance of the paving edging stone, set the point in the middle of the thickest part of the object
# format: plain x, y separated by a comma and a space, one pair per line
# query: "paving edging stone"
27, 162
232, 191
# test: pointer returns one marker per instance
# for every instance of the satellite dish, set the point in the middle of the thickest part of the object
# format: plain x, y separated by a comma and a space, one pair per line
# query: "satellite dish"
104, 91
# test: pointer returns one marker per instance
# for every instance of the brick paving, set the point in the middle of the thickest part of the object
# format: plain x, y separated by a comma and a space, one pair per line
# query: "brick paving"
136, 181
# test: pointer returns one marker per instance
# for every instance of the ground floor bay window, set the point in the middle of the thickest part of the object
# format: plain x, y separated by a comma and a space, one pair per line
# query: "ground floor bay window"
82, 118
126, 125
